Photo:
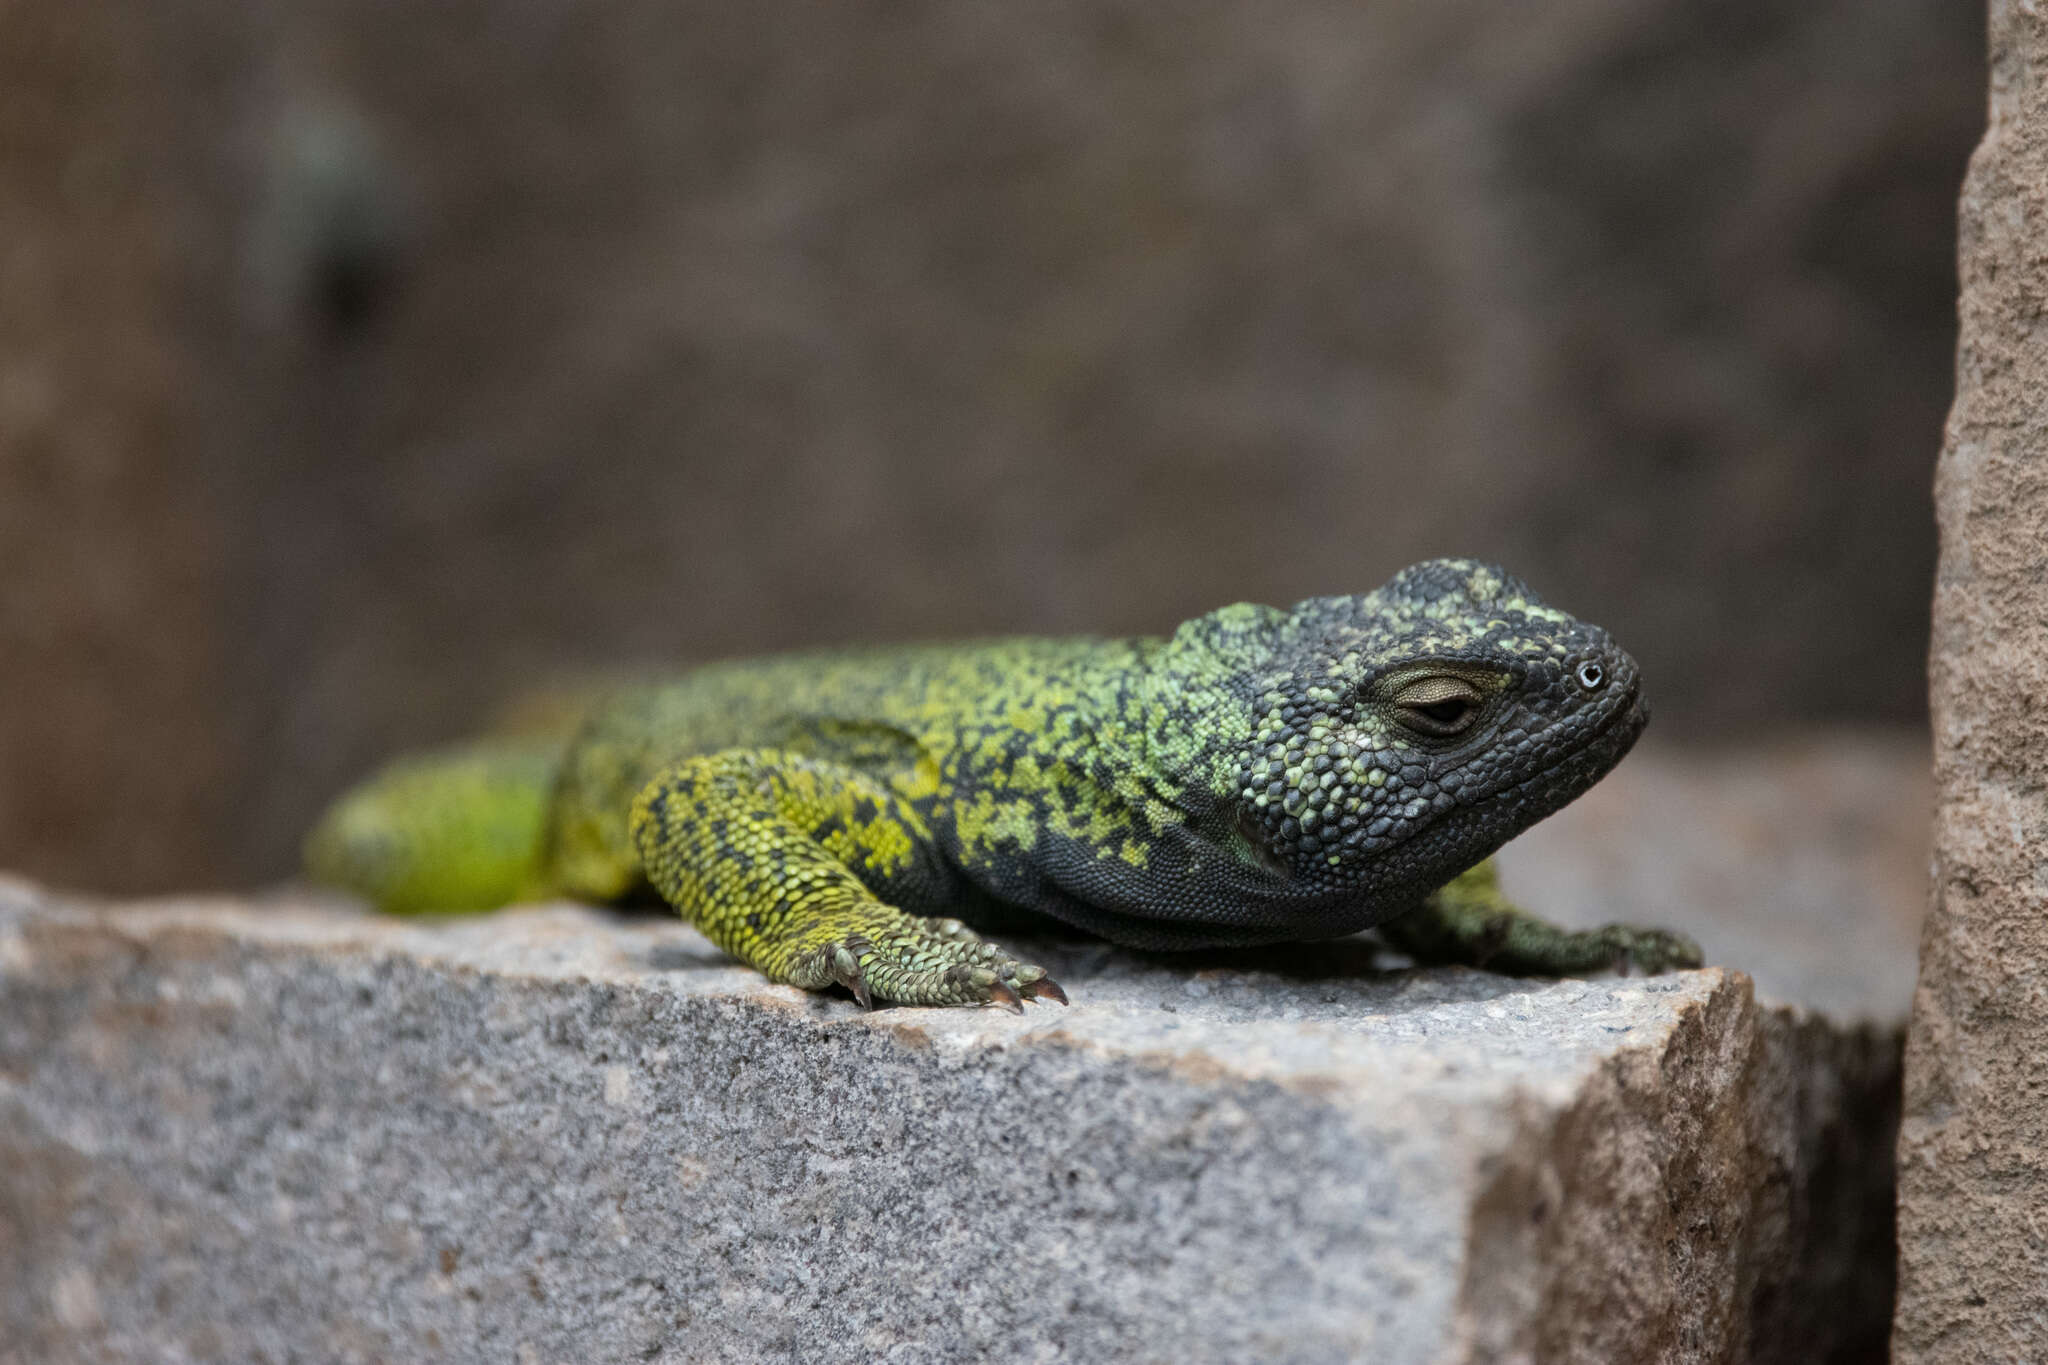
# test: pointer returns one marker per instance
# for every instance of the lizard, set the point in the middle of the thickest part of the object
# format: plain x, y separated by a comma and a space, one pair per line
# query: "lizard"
859, 818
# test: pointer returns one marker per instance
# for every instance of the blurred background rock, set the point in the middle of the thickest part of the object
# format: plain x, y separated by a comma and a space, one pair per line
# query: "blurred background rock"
361, 362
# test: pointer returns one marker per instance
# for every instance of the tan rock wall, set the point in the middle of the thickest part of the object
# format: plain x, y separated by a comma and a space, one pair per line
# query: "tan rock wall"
1973, 1151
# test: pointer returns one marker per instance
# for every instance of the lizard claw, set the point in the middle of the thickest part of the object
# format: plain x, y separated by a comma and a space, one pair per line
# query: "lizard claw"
1000, 993
1034, 984
1045, 988
846, 971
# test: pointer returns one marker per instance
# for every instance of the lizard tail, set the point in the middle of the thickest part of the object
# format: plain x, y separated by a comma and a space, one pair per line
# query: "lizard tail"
460, 830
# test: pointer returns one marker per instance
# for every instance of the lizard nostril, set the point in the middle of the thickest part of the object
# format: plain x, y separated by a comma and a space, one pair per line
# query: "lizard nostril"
1592, 676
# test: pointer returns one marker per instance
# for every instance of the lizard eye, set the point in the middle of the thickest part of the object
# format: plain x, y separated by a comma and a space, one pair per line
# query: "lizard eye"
1439, 707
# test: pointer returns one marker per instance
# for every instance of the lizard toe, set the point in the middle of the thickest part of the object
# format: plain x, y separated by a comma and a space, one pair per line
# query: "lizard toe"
845, 968
1651, 951
1031, 983
1660, 950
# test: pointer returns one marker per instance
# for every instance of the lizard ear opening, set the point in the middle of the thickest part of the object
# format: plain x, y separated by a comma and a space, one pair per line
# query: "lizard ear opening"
1253, 833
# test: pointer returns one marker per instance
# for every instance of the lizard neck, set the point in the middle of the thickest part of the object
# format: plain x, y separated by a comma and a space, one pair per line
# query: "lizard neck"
1166, 734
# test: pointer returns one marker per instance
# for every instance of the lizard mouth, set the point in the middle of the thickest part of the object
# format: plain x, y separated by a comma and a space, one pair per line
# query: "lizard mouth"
1501, 814
1589, 761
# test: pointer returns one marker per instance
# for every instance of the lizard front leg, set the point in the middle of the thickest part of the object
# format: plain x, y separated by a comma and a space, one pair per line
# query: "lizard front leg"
1469, 921
778, 858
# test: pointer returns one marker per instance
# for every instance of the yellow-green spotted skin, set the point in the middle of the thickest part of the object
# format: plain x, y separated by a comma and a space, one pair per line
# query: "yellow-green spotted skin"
448, 833
1261, 775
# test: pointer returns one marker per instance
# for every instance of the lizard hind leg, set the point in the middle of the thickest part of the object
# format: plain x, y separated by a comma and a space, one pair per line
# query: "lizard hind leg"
454, 831
781, 860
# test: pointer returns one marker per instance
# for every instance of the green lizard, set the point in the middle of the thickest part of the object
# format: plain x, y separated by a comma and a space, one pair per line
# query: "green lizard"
1260, 776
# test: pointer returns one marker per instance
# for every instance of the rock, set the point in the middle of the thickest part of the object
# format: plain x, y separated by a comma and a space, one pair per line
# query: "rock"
111, 536
1973, 1150
281, 1129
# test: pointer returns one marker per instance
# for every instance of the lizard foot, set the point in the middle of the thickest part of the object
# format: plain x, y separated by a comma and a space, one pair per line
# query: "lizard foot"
940, 962
1468, 920
1532, 948
1648, 951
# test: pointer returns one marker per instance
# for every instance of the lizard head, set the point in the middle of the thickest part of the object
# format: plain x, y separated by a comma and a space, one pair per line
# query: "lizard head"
1383, 743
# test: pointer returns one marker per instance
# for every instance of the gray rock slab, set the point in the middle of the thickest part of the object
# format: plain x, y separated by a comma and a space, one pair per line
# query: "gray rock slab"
283, 1130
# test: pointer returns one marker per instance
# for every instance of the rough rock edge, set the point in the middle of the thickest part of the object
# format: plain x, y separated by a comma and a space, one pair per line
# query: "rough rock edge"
1617, 1229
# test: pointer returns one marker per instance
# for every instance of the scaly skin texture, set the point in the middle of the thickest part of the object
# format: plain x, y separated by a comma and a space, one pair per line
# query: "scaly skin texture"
1260, 776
